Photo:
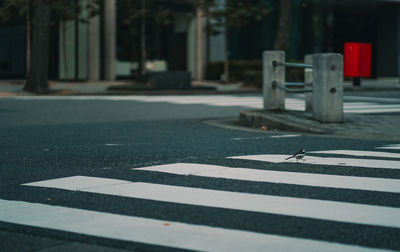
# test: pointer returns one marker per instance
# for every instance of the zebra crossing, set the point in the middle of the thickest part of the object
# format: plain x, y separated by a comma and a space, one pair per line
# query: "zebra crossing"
204, 237
364, 105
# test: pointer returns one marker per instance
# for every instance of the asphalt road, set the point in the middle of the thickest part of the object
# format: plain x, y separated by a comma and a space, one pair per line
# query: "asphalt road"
50, 138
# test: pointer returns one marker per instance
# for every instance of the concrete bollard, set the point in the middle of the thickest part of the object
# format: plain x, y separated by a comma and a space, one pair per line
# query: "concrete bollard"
308, 79
328, 87
274, 98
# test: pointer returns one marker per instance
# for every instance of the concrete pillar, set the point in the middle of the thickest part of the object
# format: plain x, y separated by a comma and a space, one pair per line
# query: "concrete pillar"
308, 72
328, 87
94, 48
109, 39
274, 98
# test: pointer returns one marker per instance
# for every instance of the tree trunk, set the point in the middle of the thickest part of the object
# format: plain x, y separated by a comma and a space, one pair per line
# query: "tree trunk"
227, 78
284, 25
38, 73
226, 64
28, 39
318, 22
201, 49
64, 48
143, 69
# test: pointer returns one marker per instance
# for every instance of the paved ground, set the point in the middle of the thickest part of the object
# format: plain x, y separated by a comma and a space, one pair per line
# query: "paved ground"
376, 126
368, 126
56, 152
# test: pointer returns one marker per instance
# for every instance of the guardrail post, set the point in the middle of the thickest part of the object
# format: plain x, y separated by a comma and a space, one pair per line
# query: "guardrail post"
308, 79
274, 98
328, 87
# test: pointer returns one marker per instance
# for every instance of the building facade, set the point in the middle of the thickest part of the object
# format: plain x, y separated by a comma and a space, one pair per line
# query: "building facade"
106, 48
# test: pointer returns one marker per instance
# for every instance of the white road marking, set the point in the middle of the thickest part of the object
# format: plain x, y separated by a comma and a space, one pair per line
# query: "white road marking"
350, 105
157, 232
373, 99
377, 110
263, 137
284, 136
295, 178
112, 144
370, 105
390, 147
255, 102
360, 153
308, 208
368, 163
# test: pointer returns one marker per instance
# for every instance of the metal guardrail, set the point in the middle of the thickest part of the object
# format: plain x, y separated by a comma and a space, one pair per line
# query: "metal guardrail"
276, 84
296, 84
286, 85
291, 64
324, 98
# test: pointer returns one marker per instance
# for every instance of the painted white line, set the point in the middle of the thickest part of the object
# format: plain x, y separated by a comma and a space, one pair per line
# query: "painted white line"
308, 208
357, 104
372, 99
375, 106
368, 163
296, 108
390, 147
249, 138
157, 232
112, 144
284, 136
377, 110
360, 153
295, 178
225, 101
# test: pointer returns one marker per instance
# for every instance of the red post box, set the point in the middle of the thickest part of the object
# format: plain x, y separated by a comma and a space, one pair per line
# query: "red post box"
357, 60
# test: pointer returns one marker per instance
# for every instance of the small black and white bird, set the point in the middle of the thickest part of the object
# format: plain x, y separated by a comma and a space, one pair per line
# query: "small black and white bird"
298, 155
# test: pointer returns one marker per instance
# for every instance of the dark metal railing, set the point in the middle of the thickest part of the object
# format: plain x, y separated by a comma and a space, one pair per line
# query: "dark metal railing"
291, 64
285, 87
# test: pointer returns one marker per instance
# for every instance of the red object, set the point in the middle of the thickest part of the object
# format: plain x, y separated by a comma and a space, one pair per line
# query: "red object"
357, 59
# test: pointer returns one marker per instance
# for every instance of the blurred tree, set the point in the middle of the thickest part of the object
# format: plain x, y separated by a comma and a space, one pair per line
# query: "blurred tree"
38, 72
15, 9
233, 14
138, 15
284, 25
67, 10
38, 20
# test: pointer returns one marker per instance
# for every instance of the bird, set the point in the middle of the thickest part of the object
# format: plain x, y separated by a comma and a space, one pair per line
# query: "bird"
298, 155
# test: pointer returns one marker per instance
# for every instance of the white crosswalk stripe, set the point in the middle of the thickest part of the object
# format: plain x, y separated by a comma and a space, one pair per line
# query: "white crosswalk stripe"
255, 102
295, 178
319, 209
175, 234
360, 153
354, 162
158, 232
389, 147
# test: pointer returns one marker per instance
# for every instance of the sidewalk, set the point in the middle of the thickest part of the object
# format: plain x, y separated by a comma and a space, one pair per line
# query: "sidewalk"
378, 126
361, 126
14, 88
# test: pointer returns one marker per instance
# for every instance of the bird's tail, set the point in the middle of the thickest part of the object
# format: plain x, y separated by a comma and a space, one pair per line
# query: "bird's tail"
289, 158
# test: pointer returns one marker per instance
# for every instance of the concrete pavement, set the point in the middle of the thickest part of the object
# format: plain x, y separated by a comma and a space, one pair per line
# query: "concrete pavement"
382, 126
121, 87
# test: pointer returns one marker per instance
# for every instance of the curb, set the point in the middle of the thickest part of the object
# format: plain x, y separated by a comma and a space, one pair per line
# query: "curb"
282, 120
355, 126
